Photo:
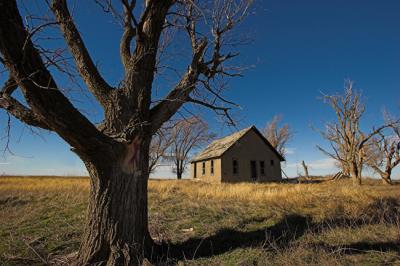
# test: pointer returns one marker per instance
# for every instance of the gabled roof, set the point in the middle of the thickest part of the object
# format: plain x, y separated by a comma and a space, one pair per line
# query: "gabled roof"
218, 147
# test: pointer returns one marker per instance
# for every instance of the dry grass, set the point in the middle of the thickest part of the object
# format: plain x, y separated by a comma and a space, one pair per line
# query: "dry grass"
240, 224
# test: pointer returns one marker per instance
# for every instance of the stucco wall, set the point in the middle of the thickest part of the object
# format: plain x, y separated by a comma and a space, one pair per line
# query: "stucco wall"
250, 148
208, 177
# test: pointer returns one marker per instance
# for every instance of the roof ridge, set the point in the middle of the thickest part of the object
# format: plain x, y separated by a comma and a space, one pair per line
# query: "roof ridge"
236, 132
221, 145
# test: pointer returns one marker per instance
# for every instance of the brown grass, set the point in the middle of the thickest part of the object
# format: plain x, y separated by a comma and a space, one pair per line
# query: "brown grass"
228, 224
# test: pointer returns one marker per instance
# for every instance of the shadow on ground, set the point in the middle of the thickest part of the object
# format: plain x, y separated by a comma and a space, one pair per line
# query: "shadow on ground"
287, 230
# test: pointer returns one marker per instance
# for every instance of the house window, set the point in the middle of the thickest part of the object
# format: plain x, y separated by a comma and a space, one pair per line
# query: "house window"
212, 167
272, 162
203, 168
262, 167
235, 167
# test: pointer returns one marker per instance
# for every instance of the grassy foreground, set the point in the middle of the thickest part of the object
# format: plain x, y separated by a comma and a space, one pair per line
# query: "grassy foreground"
244, 224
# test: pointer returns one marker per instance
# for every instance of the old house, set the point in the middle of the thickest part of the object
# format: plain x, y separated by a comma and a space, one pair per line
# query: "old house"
245, 156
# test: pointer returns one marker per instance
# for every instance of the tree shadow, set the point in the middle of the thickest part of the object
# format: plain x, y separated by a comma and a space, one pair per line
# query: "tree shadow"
288, 229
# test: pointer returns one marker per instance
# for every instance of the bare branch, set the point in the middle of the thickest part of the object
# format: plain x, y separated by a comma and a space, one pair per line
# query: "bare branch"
160, 142
21, 112
225, 110
164, 110
40, 90
384, 152
278, 137
129, 32
186, 135
9, 87
223, 18
96, 84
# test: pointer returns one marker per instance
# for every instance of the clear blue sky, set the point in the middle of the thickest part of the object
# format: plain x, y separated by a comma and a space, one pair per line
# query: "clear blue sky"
300, 49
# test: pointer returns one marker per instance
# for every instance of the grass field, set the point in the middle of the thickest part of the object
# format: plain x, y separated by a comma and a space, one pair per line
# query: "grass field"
244, 224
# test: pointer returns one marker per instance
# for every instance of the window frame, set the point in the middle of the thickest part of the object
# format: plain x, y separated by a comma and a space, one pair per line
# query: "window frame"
211, 167
262, 168
203, 168
235, 166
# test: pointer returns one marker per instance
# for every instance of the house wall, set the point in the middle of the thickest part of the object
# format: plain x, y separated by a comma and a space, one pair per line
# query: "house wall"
250, 148
208, 177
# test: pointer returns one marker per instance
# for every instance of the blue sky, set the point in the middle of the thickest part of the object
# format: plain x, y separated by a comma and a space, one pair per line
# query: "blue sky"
299, 49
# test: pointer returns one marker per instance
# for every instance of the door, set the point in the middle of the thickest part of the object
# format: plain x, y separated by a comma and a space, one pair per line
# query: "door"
253, 169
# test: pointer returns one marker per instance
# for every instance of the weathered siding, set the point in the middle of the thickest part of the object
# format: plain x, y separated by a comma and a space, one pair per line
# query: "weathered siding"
250, 148
208, 177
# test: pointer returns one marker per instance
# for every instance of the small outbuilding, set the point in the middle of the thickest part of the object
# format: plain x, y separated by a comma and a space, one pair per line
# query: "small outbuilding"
245, 156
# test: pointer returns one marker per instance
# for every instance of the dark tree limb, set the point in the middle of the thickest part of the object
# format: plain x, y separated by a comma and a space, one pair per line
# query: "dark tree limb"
17, 109
149, 30
21, 112
129, 32
375, 132
46, 102
9, 87
88, 70
225, 110
164, 110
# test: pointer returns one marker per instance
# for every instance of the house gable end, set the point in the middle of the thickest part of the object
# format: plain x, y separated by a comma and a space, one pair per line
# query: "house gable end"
264, 140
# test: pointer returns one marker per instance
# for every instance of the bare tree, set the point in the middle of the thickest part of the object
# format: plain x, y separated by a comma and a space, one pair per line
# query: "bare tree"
116, 152
347, 141
278, 136
384, 154
158, 147
186, 135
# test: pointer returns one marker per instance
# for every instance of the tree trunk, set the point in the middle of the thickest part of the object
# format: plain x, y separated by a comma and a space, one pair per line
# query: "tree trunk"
386, 179
345, 169
116, 230
179, 169
179, 174
355, 174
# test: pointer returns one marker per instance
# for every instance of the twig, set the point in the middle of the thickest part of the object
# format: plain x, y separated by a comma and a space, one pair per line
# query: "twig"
36, 253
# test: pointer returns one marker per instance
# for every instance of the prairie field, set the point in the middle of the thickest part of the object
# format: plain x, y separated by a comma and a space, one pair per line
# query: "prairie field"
327, 223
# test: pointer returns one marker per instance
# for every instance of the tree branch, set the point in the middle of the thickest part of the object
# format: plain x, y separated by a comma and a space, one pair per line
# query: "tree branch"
178, 96
129, 32
96, 84
149, 30
375, 132
19, 111
47, 103
15, 108
9, 87
225, 110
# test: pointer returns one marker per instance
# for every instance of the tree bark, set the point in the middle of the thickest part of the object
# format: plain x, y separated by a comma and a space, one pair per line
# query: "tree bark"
386, 178
116, 231
178, 169
179, 175
355, 174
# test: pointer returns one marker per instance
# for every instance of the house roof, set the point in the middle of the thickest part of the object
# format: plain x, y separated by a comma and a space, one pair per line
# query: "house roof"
218, 147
